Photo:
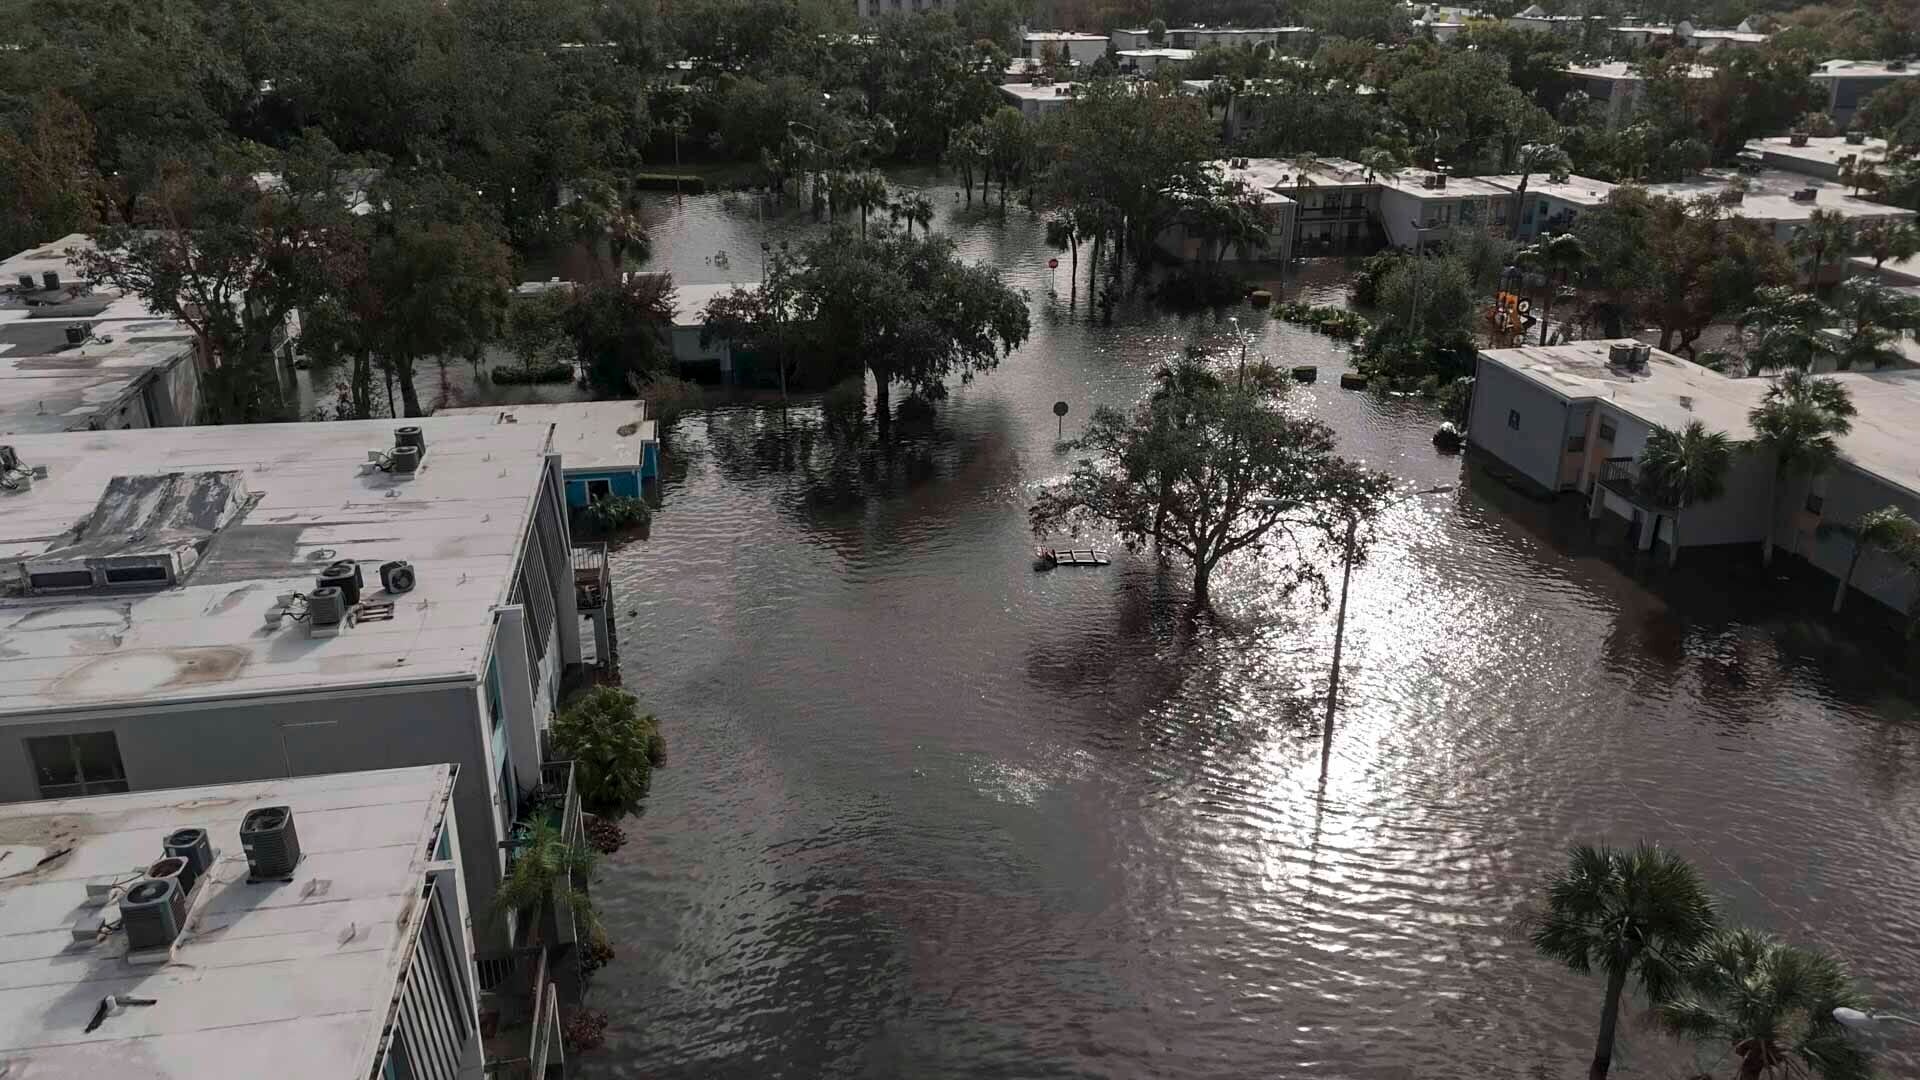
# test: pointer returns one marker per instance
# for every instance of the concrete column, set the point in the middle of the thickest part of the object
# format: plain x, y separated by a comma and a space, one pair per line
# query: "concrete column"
516, 693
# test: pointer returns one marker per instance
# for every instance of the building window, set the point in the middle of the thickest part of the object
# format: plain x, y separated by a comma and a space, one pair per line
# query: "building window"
1513, 419
598, 489
66, 765
1607, 431
1815, 503
1576, 444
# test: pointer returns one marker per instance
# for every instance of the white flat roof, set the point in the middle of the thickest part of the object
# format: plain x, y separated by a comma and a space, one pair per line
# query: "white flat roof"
49, 385
284, 980
1164, 54
1578, 190
1880, 443
1894, 272
591, 436
1863, 69
1770, 196
1062, 91
1458, 187
460, 521
1622, 71
1825, 151
1267, 175
690, 301
1056, 35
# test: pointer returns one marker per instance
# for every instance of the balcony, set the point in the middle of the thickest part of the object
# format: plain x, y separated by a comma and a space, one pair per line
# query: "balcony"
520, 1022
1620, 476
592, 586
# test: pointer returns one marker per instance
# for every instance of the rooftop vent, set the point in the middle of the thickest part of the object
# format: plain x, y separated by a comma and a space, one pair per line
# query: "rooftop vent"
271, 844
1856, 138
152, 913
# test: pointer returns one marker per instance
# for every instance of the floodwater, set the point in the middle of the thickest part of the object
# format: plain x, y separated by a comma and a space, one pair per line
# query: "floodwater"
931, 814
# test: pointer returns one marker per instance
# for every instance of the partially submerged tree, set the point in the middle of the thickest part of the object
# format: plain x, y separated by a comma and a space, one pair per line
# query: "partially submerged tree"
1636, 916
1888, 530
1685, 468
1204, 468
613, 746
1559, 259
1799, 421
1770, 1005
621, 331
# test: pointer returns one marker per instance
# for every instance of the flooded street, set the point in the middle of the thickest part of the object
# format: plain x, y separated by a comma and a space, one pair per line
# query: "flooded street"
931, 814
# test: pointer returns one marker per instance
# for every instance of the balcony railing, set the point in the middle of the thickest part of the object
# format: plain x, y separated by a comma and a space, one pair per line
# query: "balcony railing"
1620, 476
591, 582
526, 1043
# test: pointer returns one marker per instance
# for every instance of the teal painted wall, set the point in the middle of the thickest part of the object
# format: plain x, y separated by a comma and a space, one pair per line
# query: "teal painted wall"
623, 482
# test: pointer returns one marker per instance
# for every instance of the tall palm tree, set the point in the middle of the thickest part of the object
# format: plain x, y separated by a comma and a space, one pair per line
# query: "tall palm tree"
1781, 330
1635, 915
868, 191
1825, 237
1771, 1004
1800, 420
1887, 529
1559, 258
1533, 158
1885, 239
1685, 468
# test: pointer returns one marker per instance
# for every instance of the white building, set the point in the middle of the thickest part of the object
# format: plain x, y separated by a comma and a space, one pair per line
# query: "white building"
1849, 83
1037, 99
1784, 201
1685, 35
1148, 61
1285, 38
148, 641
1618, 89
1534, 17
1418, 209
1083, 48
1576, 417
1550, 205
358, 964
1826, 158
1268, 178
77, 357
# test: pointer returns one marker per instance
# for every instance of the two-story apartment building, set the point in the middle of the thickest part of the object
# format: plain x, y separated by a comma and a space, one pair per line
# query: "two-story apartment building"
1617, 89
352, 960
1575, 418
1080, 48
79, 357
1849, 83
224, 604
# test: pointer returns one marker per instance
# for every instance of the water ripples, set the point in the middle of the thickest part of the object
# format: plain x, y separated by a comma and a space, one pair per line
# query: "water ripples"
932, 814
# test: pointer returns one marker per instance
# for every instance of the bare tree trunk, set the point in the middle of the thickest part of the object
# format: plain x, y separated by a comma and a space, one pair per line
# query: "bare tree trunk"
409, 395
1840, 593
1773, 512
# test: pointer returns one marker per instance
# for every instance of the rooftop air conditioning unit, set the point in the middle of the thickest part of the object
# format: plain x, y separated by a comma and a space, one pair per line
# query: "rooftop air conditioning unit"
152, 913
27, 284
194, 846
1856, 138
272, 846
1806, 195
1440, 181
1642, 354
1797, 138
1620, 354
326, 610
345, 576
51, 279
175, 869
1896, 65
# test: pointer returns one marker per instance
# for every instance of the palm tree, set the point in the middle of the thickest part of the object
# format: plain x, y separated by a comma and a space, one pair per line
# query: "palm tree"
1887, 529
868, 191
1800, 419
1875, 318
1559, 258
1771, 1004
1885, 239
1825, 237
913, 209
1783, 328
546, 869
601, 210
1685, 468
1632, 914
1548, 158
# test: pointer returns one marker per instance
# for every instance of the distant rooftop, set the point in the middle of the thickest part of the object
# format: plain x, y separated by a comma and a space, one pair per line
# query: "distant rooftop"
48, 383
460, 520
288, 980
1578, 190
1040, 91
1770, 196
1623, 71
590, 436
1881, 442
1269, 176
1865, 69
1164, 54
1061, 35
1830, 151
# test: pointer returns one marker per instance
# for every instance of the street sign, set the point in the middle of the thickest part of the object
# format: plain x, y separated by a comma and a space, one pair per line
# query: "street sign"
1060, 410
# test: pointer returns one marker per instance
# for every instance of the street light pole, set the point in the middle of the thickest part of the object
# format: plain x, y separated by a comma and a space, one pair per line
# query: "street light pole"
1340, 622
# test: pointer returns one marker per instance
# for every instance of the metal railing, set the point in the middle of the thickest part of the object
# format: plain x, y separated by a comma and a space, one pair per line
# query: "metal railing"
540, 1018
1620, 476
592, 585
558, 776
